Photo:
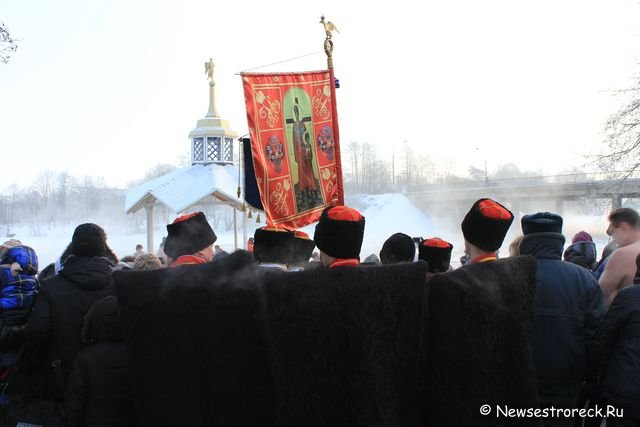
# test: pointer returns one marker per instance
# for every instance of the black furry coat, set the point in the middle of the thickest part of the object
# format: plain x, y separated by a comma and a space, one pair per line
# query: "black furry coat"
197, 342
345, 345
227, 344
478, 343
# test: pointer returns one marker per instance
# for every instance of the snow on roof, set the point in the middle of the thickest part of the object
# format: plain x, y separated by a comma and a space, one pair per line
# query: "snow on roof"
185, 187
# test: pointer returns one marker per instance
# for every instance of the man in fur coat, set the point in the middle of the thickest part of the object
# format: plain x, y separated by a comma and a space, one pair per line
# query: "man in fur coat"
479, 329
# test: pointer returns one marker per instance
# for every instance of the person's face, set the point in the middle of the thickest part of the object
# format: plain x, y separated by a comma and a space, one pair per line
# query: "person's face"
326, 259
618, 233
206, 253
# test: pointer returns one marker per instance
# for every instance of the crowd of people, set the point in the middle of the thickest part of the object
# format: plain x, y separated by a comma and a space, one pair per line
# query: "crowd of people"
62, 347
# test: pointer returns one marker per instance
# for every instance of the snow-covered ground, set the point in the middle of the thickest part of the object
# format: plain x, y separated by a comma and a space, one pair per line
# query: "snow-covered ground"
385, 215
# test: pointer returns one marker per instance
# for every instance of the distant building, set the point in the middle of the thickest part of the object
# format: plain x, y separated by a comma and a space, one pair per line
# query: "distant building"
212, 177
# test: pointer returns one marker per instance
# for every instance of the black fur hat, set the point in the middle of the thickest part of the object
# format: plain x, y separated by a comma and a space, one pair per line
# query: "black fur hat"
303, 247
339, 232
541, 222
188, 234
437, 253
486, 224
271, 244
398, 248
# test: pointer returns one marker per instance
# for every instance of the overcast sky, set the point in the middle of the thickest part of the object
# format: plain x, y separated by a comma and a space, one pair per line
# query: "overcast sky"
113, 87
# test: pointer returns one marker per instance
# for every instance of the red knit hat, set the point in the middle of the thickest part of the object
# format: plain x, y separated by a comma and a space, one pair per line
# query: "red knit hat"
340, 231
581, 236
486, 224
437, 253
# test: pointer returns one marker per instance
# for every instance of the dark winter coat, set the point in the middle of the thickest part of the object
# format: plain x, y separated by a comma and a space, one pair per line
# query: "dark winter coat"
99, 391
619, 337
582, 254
568, 308
54, 328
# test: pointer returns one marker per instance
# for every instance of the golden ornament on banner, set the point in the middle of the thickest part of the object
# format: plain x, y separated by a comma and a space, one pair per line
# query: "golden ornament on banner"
269, 109
321, 104
278, 198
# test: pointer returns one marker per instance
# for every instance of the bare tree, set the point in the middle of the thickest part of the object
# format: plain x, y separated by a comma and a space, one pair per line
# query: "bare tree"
65, 183
424, 170
353, 151
371, 173
378, 174
367, 155
476, 174
623, 137
12, 201
44, 185
7, 44
368, 173
183, 160
509, 171
158, 171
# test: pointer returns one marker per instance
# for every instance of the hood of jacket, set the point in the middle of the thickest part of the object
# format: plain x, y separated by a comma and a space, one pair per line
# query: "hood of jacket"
583, 249
102, 321
88, 273
546, 245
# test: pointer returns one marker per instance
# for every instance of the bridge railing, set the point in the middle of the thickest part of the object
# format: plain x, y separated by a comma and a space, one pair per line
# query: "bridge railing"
573, 178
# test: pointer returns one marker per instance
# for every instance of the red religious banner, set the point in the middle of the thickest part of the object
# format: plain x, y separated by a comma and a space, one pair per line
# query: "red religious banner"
294, 144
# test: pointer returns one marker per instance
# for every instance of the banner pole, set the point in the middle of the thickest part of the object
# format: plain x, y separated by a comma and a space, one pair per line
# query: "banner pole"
328, 43
328, 49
